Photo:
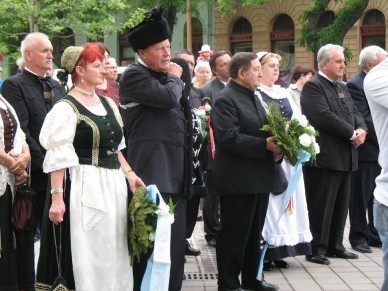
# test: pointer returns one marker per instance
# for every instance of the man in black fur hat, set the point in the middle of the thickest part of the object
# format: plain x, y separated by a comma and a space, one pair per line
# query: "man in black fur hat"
158, 127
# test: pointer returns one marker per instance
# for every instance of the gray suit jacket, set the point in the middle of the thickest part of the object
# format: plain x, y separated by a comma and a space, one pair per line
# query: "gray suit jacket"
211, 89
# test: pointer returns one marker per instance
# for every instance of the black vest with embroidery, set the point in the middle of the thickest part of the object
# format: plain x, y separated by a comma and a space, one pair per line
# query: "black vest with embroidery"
97, 137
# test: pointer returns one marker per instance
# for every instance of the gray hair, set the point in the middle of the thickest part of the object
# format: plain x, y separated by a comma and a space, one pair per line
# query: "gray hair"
30, 39
200, 66
369, 55
326, 52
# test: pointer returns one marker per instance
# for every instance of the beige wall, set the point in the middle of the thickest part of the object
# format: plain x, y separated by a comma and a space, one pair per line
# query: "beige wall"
262, 17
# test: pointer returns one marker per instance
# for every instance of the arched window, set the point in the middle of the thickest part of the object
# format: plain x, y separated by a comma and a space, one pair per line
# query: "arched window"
283, 43
373, 29
241, 37
196, 36
60, 42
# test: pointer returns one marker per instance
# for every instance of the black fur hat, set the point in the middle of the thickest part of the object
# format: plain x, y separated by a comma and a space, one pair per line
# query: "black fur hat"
153, 29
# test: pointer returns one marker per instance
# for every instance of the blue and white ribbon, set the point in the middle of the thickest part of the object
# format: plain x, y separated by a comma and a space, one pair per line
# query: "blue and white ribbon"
157, 274
296, 174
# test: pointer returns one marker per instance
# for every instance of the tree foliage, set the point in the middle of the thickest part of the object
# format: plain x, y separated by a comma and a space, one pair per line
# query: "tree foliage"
313, 36
93, 18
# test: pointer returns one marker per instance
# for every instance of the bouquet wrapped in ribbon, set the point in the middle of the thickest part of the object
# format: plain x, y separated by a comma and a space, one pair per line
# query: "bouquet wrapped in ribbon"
143, 213
293, 135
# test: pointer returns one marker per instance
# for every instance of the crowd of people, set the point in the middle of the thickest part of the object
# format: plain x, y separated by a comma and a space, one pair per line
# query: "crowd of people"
90, 147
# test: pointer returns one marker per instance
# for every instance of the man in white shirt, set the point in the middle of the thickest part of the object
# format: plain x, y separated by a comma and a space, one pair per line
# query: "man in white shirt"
376, 91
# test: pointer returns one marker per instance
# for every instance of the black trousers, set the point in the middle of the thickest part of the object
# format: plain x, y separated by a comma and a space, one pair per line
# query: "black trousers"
177, 249
191, 215
238, 242
327, 195
362, 230
211, 204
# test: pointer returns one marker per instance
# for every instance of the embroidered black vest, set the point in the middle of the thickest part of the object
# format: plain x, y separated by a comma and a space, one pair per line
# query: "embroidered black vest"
97, 137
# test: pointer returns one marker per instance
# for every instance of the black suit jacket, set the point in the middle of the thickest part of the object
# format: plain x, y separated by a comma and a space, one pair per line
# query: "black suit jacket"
211, 89
369, 150
331, 111
157, 125
25, 93
242, 164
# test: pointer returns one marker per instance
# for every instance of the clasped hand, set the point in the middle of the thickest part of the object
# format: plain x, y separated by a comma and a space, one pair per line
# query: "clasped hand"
359, 138
19, 163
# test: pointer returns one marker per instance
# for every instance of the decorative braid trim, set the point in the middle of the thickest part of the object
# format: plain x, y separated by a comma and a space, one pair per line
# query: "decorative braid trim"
46, 287
96, 131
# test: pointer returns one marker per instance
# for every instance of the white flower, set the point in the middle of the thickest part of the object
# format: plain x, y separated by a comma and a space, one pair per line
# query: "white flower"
317, 148
310, 128
200, 113
151, 237
302, 120
305, 140
163, 210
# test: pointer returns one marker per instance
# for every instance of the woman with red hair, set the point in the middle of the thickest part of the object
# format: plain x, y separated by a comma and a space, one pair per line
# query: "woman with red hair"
88, 203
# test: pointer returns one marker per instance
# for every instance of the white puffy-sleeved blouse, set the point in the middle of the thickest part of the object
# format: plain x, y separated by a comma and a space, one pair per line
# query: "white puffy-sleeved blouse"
6, 177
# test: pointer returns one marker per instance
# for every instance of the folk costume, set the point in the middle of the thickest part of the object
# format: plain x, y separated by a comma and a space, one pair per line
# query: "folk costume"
244, 174
32, 97
12, 139
292, 236
158, 126
330, 110
86, 141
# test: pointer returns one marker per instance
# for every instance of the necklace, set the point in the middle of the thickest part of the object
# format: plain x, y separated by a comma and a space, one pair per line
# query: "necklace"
83, 91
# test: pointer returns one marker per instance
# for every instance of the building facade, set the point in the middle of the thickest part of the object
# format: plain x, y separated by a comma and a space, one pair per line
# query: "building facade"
275, 27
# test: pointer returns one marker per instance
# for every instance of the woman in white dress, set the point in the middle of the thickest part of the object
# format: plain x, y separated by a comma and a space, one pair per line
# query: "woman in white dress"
292, 236
83, 138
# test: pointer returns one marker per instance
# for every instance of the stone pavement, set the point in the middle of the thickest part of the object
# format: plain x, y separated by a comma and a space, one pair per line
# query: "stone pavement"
365, 273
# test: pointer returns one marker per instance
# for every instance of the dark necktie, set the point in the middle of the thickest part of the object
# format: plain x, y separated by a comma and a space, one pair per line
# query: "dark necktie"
48, 92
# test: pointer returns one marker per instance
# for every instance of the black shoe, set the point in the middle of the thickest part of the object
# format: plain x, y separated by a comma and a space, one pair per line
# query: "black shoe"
212, 242
281, 264
375, 244
362, 248
267, 266
343, 255
260, 286
190, 251
318, 259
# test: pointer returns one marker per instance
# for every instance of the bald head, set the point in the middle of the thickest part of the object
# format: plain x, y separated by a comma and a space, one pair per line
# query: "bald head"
37, 52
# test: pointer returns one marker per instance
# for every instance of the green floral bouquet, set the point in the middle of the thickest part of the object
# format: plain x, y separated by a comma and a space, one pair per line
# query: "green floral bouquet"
142, 220
291, 135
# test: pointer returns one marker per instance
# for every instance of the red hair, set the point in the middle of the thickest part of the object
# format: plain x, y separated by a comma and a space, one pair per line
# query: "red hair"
1, 57
90, 53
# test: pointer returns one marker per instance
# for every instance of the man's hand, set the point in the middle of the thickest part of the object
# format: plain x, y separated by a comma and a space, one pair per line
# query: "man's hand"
274, 148
175, 69
359, 138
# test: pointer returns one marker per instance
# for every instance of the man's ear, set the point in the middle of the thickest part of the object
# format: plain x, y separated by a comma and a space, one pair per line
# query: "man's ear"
241, 74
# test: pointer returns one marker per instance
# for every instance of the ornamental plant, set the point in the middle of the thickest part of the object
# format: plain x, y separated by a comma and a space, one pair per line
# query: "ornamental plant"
291, 135
142, 220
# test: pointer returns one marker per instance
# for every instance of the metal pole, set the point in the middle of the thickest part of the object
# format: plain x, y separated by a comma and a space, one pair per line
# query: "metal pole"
189, 44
